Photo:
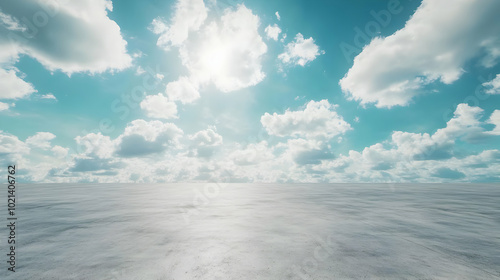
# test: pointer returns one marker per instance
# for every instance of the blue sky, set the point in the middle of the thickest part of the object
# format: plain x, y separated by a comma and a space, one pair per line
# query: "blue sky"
257, 91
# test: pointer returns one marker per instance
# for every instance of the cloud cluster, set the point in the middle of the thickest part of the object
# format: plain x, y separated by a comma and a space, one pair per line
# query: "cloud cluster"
142, 138
300, 51
433, 46
36, 155
273, 32
189, 16
318, 119
13, 86
4, 106
205, 143
416, 156
70, 36
493, 86
313, 127
159, 107
226, 52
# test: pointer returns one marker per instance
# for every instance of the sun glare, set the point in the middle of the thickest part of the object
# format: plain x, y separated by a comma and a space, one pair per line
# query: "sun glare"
215, 59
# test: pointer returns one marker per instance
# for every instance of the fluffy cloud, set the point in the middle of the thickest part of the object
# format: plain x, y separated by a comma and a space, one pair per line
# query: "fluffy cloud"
252, 154
95, 145
301, 51
48, 96
59, 152
404, 157
189, 16
159, 107
206, 137
495, 120
41, 140
4, 106
493, 86
206, 142
10, 144
433, 46
68, 36
36, 155
318, 119
308, 151
226, 52
417, 156
142, 138
272, 32
464, 125
13, 87
71, 36
98, 155
183, 90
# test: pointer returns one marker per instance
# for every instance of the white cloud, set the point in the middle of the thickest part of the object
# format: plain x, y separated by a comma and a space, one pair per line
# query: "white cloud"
35, 155
10, 144
433, 46
12, 86
283, 38
206, 142
69, 36
227, 53
301, 51
308, 151
182, 90
41, 140
142, 138
419, 156
95, 146
464, 125
318, 119
139, 71
206, 137
189, 16
60, 152
153, 151
493, 86
278, 15
159, 107
11, 23
495, 120
252, 154
137, 54
273, 32
3, 106
48, 96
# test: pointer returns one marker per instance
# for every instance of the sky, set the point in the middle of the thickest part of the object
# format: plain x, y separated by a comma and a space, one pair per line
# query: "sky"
278, 91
